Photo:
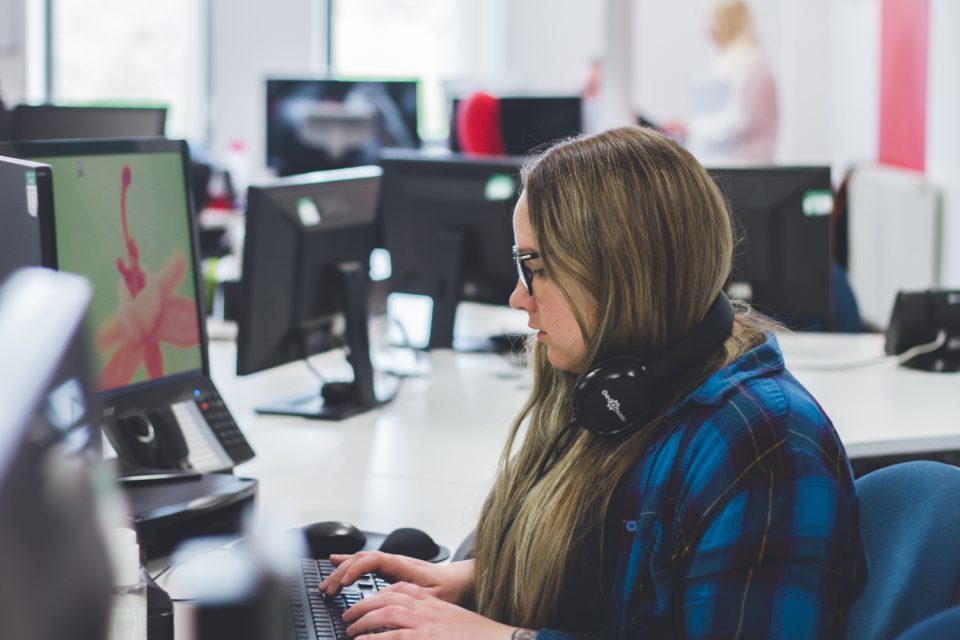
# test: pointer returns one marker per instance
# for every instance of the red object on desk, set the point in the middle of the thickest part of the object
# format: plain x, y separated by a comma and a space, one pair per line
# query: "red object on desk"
478, 125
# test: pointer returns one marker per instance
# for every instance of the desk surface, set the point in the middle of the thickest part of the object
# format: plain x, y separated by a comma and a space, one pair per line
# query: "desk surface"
427, 458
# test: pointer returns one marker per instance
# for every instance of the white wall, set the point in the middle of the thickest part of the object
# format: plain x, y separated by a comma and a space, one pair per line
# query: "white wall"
550, 43
943, 128
251, 40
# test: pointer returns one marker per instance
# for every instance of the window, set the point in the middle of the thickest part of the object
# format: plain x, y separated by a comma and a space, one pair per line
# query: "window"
133, 52
435, 41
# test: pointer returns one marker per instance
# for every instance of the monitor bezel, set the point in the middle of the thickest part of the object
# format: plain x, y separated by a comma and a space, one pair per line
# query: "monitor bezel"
176, 387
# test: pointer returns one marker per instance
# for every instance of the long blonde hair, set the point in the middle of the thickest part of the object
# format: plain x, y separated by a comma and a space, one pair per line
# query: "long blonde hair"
730, 22
632, 219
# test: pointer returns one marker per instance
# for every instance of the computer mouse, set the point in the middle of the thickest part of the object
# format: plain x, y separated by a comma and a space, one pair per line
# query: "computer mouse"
408, 541
325, 538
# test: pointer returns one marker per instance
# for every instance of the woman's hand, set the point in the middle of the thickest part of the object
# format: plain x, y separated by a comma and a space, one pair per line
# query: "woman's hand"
410, 611
449, 583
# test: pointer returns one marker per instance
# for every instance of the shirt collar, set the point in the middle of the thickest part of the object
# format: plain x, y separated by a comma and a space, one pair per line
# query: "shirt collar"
762, 360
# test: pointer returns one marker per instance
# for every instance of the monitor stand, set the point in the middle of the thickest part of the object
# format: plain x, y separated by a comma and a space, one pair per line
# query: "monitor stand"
448, 263
340, 400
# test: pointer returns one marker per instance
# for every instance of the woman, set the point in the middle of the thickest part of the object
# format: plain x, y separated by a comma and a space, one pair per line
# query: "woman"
735, 114
722, 505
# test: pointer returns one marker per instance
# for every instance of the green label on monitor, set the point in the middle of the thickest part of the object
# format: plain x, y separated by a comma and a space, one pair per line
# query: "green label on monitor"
33, 203
308, 212
817, 202
499, 186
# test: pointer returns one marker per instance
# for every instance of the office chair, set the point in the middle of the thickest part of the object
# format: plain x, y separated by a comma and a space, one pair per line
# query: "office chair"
945, 624
908, 519
846, 312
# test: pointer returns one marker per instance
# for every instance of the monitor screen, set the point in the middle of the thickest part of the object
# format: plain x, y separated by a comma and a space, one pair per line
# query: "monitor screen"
305, 280
124, 221
26, 188
54, 488
530, 122
782, 260
316, 124
447, 223
56, 122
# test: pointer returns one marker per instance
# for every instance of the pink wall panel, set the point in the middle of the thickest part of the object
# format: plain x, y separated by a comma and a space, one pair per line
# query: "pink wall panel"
903, 82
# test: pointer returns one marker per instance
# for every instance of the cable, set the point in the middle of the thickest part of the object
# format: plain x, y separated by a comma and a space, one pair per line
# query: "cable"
923, 349
903, 358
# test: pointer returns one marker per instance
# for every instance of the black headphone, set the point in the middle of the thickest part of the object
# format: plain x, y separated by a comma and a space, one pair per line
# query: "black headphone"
623, 393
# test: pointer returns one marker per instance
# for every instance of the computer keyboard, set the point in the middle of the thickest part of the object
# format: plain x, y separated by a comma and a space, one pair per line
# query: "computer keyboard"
317, 617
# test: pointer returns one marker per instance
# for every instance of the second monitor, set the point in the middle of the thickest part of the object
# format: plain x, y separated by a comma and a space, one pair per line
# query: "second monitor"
447, 222
305, 282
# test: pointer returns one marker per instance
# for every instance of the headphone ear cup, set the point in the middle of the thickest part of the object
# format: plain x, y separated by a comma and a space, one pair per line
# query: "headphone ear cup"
617, 396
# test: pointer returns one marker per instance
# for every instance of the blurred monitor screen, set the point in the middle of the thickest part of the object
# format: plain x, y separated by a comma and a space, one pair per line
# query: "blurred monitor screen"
56, 122
315, 124
531, 122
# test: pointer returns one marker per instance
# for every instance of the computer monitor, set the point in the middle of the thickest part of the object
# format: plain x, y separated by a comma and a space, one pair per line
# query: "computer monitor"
316, 124
58, 122
531, 122
782, 259
26, 191
447, 223
305, 281
54, 490
125, 221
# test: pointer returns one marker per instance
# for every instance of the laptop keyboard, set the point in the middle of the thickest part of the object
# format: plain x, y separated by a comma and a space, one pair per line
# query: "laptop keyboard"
317, 617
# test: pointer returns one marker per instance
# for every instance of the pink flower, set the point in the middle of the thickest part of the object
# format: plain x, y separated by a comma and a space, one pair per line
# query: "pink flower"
148, 312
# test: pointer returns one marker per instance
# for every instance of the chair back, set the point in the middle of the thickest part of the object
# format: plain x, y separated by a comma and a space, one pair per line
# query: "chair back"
909, 518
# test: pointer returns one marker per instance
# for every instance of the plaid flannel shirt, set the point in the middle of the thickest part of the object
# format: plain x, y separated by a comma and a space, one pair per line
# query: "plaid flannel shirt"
741, 521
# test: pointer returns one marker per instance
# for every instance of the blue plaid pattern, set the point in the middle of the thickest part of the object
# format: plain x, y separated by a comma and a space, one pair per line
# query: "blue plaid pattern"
741, 521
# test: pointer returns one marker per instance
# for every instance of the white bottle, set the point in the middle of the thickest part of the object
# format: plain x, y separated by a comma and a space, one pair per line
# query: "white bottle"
128, 618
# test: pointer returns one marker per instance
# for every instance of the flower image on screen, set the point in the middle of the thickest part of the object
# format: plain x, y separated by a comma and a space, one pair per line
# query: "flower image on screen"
122, 221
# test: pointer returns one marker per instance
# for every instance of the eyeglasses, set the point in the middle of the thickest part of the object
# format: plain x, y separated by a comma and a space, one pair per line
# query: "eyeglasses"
526, 275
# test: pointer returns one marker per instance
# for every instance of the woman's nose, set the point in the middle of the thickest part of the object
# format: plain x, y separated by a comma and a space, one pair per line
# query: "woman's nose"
519, 298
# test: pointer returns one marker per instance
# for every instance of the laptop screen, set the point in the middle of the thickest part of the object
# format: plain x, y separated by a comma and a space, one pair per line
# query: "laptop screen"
123, 220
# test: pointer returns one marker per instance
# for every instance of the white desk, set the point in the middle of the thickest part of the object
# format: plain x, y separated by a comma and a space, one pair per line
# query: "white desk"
881, 409
427, 458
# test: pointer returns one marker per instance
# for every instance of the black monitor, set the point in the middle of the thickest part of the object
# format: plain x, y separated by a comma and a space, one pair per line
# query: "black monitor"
782, 262
55, 493
58, 122
305, 281
26, 191
317, 124
125, 221
528, 123
447, 223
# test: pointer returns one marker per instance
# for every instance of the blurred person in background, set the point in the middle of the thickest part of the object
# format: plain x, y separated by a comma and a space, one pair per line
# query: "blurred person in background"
734, 102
